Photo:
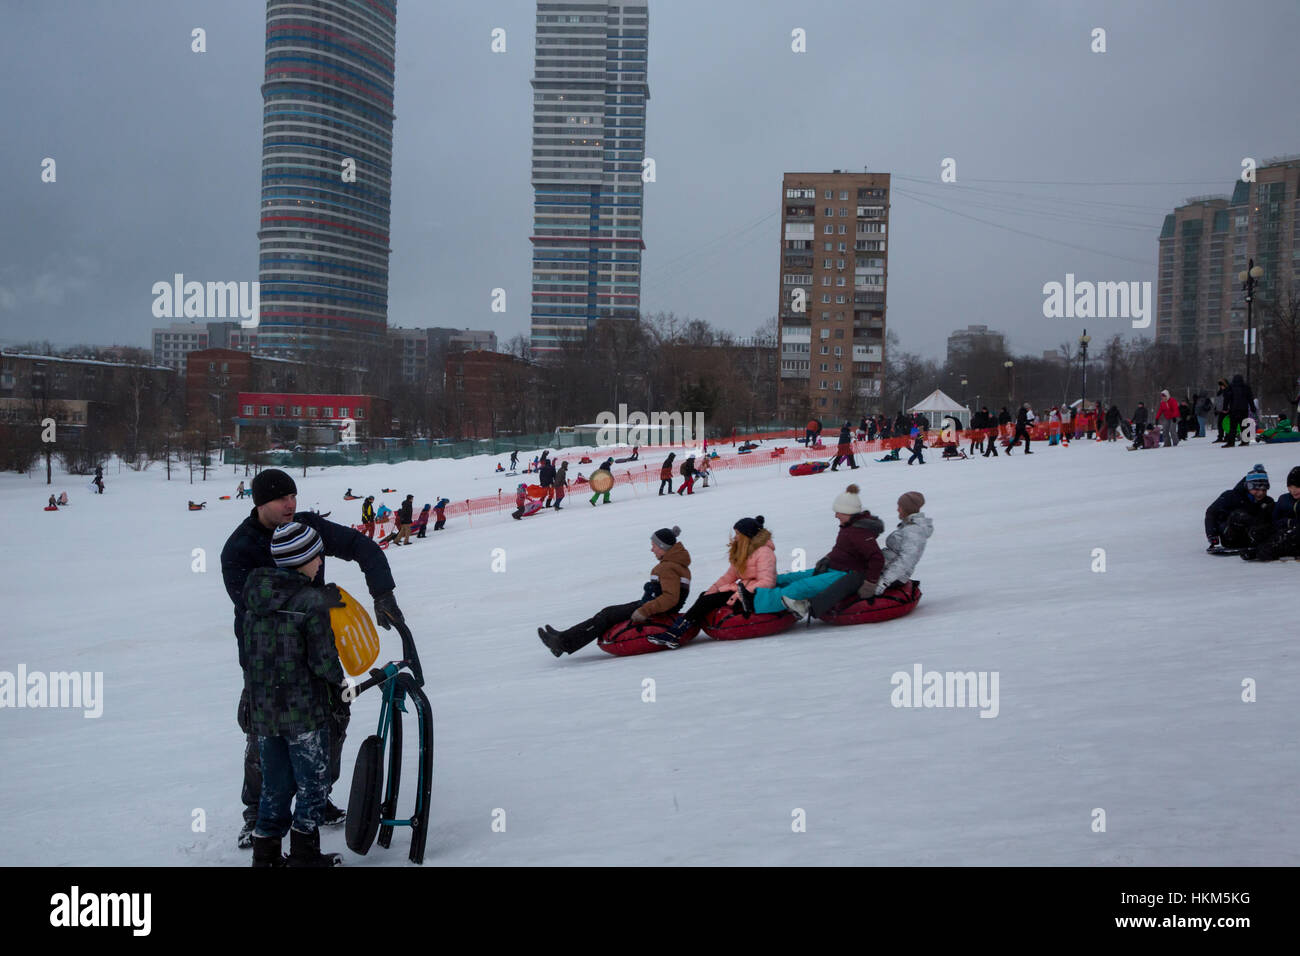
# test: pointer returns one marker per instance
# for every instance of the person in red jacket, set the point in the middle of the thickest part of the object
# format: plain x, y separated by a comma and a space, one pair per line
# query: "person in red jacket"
1167, 418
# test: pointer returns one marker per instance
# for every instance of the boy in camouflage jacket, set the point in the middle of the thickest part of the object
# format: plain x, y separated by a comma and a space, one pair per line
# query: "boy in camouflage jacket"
294, 680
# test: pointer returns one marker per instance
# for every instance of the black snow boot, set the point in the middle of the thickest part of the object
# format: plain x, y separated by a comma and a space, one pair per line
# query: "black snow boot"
332, 816
672, 637
266, 852
246, 835
746, 599
304, 851
551, 638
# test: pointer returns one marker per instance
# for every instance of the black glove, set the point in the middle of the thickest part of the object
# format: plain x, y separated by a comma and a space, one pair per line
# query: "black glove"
332, 596
822, 566
340, 706
387, 613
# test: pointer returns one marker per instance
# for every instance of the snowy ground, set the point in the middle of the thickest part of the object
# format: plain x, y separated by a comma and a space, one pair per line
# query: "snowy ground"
1118, 690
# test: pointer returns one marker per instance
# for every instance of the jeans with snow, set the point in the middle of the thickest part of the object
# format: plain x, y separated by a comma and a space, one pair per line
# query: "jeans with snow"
293, 766
1169, 431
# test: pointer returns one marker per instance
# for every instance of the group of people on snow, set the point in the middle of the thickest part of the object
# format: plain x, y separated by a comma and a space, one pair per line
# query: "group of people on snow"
1245, 520
405, 521
855, 565
690, 469
293, 711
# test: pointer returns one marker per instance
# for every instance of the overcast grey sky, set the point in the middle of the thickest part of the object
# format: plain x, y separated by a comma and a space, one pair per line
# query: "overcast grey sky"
158, 151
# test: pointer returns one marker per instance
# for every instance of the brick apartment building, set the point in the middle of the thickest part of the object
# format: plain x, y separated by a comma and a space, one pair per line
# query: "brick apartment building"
833, 282
1206, 242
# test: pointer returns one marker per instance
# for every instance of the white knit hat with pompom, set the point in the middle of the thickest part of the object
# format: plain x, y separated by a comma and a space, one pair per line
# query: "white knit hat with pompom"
847, 503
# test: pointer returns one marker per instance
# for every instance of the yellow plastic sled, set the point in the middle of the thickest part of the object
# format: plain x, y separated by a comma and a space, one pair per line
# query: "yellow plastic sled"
354, 635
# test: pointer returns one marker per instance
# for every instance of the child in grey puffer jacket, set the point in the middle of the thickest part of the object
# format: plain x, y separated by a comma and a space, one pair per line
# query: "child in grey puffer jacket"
906, 543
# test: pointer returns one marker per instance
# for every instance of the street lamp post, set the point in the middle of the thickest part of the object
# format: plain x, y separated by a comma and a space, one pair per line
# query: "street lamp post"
1083, 349
1011, 379
220, 426
1248, 278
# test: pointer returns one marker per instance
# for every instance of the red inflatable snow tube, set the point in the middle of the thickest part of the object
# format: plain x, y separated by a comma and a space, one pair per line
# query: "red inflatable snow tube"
808, 468
626, 638
729, 624
898, 599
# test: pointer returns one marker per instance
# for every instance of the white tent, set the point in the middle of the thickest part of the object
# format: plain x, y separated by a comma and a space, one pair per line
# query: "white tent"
936, 406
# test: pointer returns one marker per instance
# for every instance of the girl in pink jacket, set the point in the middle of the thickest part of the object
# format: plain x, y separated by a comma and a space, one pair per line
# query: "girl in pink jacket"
751, 561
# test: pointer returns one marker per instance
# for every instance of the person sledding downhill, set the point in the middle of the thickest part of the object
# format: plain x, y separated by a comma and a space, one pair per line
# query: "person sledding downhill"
852, 566
1241, 516
905, 544
294, 683
1284, 541
751, 563
665, 593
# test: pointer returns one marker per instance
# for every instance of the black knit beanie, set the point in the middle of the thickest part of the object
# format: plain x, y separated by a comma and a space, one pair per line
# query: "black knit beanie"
749, 527
666, 537
271, 484
1293, 477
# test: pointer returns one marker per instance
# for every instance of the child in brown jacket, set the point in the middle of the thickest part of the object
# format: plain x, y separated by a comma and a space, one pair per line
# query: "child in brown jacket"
665, 593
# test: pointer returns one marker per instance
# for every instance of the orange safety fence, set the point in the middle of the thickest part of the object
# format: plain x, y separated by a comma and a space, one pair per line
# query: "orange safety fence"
646, 472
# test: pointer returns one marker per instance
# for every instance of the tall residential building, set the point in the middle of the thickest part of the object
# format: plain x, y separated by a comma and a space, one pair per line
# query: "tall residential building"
974, 338
589, 106
834, 270
1207, 241
327, 153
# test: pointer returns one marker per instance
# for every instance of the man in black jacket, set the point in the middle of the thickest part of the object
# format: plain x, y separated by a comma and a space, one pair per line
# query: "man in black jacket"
1239, 400
546, 478
1022, 429
249, 547
1112, 422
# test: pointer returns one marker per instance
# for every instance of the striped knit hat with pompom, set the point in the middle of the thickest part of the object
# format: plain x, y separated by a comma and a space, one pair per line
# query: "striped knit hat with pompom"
1258, 478
294, 544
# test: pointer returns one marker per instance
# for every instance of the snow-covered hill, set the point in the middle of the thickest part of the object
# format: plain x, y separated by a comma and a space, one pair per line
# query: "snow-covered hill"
1119, 690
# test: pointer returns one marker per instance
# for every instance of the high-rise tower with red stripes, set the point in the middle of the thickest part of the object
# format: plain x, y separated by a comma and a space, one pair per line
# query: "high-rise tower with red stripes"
327, 153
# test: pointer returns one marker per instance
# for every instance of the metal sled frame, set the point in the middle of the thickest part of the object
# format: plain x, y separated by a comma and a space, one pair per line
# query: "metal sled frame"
401, 680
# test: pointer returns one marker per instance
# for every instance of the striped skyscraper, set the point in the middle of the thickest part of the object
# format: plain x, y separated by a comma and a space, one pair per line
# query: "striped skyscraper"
589, 106
323, 236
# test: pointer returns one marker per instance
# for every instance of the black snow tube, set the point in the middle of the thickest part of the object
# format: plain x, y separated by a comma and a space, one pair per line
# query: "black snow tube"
365, 796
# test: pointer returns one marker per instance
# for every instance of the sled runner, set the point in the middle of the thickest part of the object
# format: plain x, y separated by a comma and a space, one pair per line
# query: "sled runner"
729, 624
898, 599
1226, 551
372, 805
625, 639
809, 468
